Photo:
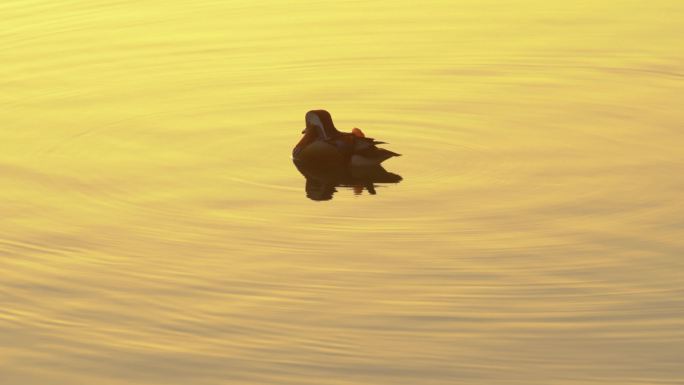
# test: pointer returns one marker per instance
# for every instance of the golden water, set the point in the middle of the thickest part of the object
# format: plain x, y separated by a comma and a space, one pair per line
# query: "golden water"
155, 231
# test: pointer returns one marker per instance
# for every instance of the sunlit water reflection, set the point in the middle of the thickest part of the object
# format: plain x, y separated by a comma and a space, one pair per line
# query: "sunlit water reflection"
155, 230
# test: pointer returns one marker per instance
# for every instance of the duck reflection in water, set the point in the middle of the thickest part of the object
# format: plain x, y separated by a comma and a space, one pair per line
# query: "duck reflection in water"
329, 158
322, 180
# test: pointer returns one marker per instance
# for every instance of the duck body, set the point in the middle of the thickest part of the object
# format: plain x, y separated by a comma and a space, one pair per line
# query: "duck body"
323, 143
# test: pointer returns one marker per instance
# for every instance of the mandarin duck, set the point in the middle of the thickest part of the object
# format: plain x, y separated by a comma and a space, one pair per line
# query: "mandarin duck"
323, 143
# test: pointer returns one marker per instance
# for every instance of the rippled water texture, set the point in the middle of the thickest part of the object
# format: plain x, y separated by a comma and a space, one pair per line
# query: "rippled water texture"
155, 231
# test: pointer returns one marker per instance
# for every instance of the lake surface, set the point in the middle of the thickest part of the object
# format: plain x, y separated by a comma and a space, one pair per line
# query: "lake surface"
155, 231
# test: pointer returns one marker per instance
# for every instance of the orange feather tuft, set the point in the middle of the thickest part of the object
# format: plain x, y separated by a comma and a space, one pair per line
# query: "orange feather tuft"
358, 133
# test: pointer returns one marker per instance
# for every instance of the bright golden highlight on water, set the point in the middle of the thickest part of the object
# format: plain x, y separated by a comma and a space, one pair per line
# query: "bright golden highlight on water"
155, 231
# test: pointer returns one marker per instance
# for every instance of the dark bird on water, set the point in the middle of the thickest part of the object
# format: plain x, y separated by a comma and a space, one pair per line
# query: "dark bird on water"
323, 143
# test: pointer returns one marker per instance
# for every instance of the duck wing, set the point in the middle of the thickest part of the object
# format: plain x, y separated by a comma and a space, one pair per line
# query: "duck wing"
366, 144
366, 147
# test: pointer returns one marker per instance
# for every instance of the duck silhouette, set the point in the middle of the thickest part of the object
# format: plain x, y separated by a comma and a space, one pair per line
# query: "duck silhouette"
329, 159
323, 143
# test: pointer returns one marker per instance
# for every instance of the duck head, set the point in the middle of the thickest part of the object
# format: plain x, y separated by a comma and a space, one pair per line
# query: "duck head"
319, 126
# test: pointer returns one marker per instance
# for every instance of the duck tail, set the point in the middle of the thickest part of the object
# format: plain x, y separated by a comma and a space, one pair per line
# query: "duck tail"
382, 155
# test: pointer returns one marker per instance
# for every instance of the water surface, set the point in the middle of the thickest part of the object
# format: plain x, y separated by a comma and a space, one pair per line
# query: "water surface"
155, 231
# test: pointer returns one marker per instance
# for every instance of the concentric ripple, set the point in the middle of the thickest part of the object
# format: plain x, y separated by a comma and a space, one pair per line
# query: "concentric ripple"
155, 231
